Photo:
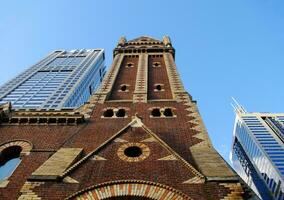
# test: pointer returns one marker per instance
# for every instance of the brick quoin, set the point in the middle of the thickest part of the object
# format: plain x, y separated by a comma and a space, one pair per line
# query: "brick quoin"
141, 141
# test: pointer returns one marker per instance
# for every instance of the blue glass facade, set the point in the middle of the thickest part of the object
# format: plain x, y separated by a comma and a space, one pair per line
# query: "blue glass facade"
258, 153
64, 79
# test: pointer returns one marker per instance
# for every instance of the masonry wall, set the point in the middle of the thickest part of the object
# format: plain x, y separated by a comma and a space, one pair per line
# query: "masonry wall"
126, 77
157, 75
169, 145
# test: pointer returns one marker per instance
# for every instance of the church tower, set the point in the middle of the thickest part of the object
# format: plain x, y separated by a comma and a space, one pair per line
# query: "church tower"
140, 136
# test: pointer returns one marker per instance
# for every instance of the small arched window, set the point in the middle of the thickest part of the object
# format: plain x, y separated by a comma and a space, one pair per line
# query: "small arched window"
9, 160
156, 112
168, 112
108, 113
156, 64
120, 113
130, 64
158, 87
123, 88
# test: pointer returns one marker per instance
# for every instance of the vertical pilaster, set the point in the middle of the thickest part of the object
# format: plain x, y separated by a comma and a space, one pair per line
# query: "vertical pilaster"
108, 81
177, 88
140, 92
105, 89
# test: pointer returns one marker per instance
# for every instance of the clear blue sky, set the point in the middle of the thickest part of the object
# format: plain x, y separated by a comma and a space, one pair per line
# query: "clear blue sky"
223, 48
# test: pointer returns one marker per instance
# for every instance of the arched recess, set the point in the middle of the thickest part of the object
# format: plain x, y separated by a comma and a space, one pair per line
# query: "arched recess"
25, 145
129, 189
10, 157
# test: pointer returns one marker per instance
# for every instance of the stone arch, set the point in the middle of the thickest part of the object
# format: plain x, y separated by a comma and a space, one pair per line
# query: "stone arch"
129, 188
25, 145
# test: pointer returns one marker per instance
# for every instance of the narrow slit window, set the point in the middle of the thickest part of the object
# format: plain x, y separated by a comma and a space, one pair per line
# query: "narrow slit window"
90, 90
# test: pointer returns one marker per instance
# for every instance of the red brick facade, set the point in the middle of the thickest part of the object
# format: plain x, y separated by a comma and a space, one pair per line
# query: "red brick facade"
173, 157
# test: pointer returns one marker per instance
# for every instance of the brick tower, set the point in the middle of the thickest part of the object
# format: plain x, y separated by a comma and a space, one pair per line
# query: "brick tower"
139, 137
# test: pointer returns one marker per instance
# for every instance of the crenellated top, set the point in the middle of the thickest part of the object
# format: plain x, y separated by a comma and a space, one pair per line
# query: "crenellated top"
144, 44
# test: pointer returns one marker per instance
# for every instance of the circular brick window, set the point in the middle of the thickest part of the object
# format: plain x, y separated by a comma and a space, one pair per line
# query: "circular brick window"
133, 152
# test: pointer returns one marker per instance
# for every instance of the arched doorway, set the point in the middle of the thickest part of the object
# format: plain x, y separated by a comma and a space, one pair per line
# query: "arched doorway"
129, 190
128, 198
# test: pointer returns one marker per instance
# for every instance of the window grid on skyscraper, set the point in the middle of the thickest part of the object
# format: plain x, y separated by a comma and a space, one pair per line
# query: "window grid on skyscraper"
265, 149
52, 82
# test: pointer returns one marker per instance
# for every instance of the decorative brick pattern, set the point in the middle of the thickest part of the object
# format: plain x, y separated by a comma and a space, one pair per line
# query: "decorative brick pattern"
120, 140
43, 117
109, 79
125, 76
104, 90
25, 145
169, 157
57, 164
188, 165
158, 75
150, 139
96, 157
4, 183
144, 148
203, 152
182, 164
69, 179
140, 93
194, 180
131, 189
27, 192
236, 191
175, 82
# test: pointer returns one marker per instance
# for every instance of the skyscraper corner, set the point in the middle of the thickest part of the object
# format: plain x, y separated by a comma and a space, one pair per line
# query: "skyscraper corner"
258, 150
63, 79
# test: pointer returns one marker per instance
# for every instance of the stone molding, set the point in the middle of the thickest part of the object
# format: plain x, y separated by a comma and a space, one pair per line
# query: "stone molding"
138, 188
137, 123
141, 85
52, 168
236, 191
105, 88
27, 191
24, 144
144, 148
109, 79
174, 78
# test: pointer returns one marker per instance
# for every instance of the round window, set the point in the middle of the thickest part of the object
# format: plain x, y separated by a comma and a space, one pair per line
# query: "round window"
133, 152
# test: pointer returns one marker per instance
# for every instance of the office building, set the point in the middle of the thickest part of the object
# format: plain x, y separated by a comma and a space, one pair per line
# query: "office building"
63, 79
258, 152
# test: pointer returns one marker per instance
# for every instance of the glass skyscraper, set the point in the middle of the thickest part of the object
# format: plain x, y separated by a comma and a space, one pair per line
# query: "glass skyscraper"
63, 79
258, 152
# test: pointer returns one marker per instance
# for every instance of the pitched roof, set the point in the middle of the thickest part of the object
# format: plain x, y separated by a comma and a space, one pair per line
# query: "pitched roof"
136, 122
144, 39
